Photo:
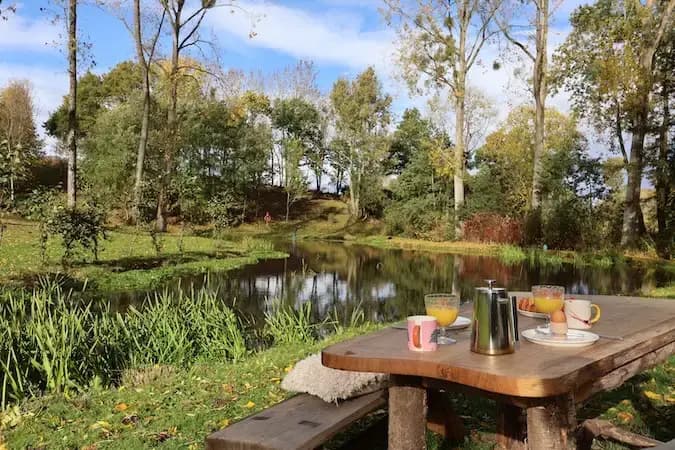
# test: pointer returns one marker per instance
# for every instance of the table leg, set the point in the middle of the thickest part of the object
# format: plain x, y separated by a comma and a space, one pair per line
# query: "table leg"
441, 417
407, 413
550, 425
510, 427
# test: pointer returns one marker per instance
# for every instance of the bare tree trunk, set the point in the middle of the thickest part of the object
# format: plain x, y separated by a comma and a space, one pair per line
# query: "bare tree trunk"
11, 188
460, 106
630, 235
288, 204
662, 179
145, 119
72, 104
171, 123
540, 92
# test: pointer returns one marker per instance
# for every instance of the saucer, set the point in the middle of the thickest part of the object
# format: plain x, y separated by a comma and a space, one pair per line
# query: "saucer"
461, 323
573, 338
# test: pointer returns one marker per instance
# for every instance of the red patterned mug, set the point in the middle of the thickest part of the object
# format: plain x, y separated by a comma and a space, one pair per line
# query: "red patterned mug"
420, 333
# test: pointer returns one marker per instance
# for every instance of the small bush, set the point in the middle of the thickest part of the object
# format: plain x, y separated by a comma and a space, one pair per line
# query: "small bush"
417, 218
83, 228
490, 227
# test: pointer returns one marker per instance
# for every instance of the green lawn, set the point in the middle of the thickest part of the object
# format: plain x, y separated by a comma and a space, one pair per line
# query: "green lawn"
128, 259
179, 408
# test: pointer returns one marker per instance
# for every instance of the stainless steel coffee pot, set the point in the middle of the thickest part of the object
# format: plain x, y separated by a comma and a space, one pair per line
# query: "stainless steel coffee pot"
494, 330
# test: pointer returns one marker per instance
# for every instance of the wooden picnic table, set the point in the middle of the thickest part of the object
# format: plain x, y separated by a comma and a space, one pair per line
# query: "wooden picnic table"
545, 383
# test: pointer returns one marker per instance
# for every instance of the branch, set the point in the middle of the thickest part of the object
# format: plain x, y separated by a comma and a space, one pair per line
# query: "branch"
515, 42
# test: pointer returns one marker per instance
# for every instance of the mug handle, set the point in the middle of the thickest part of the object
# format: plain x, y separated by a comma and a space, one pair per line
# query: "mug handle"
597, 313
417, 337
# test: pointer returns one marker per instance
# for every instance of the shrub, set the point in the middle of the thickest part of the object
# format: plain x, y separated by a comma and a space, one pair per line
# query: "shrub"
224, 210
490, 227
417, 218
79, 227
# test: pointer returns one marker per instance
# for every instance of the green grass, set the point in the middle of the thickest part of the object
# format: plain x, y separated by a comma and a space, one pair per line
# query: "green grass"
128, 259
663, 292
188, 404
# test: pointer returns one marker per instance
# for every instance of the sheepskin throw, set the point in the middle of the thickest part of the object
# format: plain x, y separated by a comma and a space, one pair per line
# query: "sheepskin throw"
330, 385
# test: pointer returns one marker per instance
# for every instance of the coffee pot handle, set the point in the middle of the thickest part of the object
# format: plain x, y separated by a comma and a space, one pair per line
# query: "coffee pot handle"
514, 306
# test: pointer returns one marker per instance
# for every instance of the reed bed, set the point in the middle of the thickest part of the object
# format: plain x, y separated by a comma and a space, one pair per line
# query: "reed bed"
50, 342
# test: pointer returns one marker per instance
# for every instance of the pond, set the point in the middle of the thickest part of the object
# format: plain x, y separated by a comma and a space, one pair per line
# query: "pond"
390, 284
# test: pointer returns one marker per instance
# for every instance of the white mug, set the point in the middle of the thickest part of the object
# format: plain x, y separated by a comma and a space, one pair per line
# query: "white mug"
578, 313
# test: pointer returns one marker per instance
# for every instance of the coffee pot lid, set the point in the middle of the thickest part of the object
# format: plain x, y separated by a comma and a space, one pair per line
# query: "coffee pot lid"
490, 287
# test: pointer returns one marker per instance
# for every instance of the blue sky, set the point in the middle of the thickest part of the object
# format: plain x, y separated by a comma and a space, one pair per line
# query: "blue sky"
342, 37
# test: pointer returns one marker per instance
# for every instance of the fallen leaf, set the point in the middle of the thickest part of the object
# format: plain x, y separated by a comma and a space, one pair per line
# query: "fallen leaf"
288, 369
625, 417
653, 395
130, 420
228, 388
249, 405
275, 379
223, 423
247, 385
121, 407
670, 399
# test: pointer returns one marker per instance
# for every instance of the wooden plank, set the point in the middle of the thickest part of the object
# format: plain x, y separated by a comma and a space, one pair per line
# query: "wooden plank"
301, 422
593, 428
407, 414
532, 371
619, 376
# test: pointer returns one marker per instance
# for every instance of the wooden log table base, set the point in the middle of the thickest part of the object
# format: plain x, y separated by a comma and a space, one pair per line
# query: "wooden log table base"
536, 387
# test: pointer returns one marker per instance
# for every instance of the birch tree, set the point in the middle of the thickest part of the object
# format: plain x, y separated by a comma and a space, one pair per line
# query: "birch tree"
440, 42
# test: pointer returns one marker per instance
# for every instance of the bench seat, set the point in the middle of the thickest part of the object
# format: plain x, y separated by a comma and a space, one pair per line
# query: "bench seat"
301, 422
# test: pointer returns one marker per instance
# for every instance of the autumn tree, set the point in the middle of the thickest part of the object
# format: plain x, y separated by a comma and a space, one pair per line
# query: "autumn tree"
439, 44
362, 117
607, 64
19, 143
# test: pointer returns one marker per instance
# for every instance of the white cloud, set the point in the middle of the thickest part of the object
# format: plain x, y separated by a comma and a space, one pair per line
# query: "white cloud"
331, 39
21, 33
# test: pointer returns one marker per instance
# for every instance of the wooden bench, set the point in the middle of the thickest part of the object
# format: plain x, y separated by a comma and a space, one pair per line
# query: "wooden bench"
301, 422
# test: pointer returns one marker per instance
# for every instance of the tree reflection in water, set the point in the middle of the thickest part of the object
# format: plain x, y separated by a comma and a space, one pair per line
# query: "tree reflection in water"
390, 284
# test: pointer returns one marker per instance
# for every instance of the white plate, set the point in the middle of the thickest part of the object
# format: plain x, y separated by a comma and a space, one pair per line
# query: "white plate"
574, 338
536, 315
460, 323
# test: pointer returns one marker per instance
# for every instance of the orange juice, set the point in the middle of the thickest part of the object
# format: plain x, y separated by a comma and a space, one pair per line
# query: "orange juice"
444, 316
548, 305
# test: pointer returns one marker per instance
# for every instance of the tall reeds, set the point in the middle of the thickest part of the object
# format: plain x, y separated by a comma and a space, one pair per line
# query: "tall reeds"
49, 342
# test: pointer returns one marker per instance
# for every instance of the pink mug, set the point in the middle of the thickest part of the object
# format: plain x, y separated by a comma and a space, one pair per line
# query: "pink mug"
420, 331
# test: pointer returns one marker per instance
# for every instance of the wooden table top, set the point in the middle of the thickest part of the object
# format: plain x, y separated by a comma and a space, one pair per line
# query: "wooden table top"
533, 370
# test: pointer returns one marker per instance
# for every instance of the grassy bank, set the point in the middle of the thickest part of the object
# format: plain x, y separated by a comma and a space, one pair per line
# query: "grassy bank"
128, 260
182, 367
330, 219
180, 407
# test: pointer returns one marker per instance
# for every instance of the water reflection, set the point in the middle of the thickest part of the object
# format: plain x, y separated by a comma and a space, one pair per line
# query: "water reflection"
389, 284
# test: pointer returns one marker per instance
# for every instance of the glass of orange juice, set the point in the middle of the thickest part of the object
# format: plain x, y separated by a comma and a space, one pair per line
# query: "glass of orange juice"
548, 299
445, 308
